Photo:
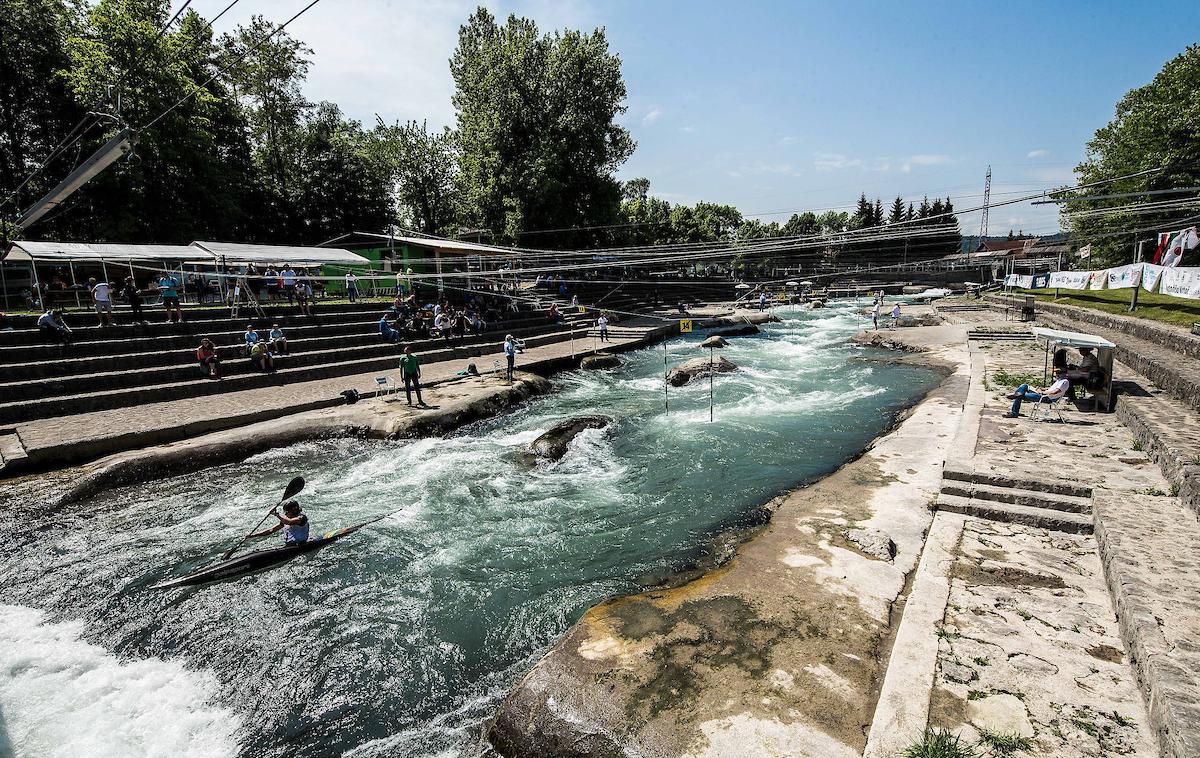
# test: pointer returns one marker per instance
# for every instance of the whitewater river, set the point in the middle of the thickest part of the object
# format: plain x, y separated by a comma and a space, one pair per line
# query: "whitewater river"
401, 640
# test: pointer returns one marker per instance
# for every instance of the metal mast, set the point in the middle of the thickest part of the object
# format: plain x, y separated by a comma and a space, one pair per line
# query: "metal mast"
987, 199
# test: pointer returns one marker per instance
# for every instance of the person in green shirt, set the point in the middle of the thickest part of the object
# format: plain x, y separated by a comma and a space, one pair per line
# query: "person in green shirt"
410, 373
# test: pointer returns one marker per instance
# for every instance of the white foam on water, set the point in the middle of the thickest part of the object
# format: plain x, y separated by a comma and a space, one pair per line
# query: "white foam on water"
64, 697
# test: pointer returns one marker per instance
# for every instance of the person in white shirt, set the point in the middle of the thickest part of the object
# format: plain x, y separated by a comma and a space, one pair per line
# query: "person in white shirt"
288, 276
895, 315
442, 323
602, 325
1053, 392
351, 286
875, 315
102, 298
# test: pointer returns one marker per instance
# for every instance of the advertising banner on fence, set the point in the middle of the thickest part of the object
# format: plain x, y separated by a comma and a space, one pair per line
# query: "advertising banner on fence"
1180, 282
1125, 277
1071, 280
1040, 281
1099, 280
1150, 276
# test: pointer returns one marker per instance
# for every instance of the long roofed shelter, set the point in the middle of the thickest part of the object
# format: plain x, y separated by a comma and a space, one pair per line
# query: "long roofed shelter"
65, 266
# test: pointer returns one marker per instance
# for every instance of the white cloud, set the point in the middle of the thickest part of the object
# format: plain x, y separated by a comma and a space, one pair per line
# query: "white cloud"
687, 129
788, 140
1039, 153
834, 161
652, 116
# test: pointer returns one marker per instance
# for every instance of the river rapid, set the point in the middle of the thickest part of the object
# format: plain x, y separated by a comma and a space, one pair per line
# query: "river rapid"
402, 639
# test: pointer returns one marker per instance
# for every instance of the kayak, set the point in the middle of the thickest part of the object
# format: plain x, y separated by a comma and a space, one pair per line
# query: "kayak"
259, 560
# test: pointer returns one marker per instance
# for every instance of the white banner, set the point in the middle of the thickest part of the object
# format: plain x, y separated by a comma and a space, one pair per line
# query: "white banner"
1125, 277
1010, 280
1180, 282
1150, 276
1071, 280
1099, 280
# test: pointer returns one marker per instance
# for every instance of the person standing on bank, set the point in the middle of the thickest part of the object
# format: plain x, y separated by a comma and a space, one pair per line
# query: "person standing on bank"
169, 287
410, 374
133, 297
351, 286
510, 354
875, 314
602, 325
895, 315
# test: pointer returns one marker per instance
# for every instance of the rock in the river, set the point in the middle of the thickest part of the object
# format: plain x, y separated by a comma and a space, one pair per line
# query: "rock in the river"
553, 444
745, 330
742, 316
697, 367
815, 304
872, 542
714, 341
600, 360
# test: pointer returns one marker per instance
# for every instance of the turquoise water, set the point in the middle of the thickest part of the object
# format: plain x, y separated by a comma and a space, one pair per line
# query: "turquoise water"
403, 639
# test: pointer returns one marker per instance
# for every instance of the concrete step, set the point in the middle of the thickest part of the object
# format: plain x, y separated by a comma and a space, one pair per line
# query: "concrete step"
1043, 518
289, 372
1018, 496
180, 352
965, 472
12, 451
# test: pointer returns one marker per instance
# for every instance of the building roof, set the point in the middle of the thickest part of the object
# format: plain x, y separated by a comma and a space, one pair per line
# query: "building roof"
26, 250
443, 246
232, 252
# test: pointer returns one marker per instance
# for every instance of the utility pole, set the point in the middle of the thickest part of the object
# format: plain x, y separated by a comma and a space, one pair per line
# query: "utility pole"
987, 199
1137, 258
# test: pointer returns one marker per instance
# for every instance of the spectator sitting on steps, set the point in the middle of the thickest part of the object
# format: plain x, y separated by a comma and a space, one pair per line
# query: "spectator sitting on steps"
51, 324
278, 341
206, 357
251, 337
387, 330
261, 358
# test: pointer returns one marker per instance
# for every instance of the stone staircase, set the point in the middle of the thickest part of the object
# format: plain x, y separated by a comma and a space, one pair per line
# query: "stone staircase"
995, 335
1061, 506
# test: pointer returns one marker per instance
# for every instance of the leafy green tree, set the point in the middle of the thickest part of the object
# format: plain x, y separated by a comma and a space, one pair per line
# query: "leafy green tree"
175, 187
1156, 125
342, 186
35, 110
539, 141
422, 165
801, 224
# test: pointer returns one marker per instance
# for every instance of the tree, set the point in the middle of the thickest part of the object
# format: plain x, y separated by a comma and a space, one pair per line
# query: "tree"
1156, 125
176, 186
802, 225
539, 143
896, 215
341, 187
266, 70
35, 110
422, 166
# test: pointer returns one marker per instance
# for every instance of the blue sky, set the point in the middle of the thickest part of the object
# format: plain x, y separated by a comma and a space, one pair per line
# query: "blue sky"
776, 107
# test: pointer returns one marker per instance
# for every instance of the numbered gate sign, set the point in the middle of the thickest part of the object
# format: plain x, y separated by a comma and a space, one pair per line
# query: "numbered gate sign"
685, 325
582, 309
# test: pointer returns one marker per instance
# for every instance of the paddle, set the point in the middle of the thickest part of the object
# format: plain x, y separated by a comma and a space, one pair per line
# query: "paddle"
289, 492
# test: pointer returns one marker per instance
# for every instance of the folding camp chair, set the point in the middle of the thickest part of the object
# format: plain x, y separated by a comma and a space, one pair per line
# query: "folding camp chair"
384, 385
1050, 404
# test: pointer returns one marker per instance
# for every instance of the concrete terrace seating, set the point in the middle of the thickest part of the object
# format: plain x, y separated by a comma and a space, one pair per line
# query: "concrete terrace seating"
126, 366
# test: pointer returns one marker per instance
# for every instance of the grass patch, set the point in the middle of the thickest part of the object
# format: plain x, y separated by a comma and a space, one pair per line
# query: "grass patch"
1151, 306
945, 634
1153, 491
1003, 745
940, 743
982, 661
1006, 379
1138, 445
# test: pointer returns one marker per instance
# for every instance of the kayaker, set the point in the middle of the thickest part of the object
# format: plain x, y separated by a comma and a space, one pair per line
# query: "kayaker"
292, 521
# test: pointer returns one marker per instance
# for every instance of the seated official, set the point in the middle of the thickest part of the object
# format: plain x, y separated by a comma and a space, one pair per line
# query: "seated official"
1055, 391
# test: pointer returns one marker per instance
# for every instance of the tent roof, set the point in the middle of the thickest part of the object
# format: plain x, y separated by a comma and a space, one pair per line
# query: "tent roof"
234, 252
454, 247
1071, 339
86, 251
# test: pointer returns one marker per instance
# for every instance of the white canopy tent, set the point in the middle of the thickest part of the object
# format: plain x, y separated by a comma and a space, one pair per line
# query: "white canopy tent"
232, 253
33, 252
1077, 340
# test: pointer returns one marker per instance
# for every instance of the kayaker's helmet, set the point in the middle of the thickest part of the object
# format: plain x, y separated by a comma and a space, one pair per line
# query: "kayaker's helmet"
291, 507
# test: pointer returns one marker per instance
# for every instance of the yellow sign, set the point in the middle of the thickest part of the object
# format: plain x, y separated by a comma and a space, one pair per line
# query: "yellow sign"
582, 309
685, 325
